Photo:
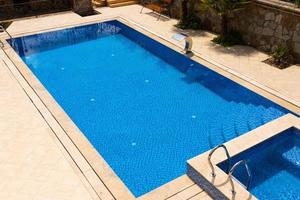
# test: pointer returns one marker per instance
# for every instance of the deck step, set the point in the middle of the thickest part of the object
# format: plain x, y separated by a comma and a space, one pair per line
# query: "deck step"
118, 3
187, 193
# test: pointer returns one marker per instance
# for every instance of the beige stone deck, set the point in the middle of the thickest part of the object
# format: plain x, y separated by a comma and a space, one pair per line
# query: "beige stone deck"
33, 165
33, 162
242, 59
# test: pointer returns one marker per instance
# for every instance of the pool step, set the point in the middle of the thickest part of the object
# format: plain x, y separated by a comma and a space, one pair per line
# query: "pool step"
271, 114
242, 120
292, 156
228, 127
255, 118
215, 136
118, 3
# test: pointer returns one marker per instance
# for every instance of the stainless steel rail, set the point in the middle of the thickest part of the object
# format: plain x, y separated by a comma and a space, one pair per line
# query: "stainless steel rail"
211, 153
233, 169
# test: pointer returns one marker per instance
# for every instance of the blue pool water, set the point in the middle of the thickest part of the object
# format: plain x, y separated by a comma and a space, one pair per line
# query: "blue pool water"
146, 108
275, 166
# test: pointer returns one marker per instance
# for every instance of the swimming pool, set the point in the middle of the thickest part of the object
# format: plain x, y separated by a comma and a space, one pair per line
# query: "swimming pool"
144, 107
275, 167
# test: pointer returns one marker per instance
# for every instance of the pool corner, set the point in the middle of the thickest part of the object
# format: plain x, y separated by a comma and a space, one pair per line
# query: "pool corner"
199, 170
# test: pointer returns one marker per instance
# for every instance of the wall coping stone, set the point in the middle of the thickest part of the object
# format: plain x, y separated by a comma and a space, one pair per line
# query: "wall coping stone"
280, 5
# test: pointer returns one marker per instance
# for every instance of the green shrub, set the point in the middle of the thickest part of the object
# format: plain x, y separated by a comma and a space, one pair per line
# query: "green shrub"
280, 52
281, 57
190, 22
297, 2
232, 38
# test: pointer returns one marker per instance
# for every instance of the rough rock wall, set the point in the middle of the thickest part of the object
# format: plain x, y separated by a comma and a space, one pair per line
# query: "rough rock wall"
10, 9
82, 6
264, 24
5, 8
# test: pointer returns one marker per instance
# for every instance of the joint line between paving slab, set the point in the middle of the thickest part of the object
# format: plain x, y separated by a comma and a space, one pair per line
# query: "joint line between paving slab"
57, 137
223, 67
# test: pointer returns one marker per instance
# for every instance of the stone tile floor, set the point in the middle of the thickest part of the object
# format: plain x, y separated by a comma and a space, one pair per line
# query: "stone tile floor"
243, 59
33, 164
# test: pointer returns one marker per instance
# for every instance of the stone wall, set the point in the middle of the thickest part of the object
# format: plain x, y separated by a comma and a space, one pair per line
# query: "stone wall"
264, 24
10, 9
6, 8
82, 7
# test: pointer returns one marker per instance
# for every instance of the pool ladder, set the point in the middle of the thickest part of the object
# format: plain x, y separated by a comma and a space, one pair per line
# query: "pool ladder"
230, 177
232, 169
213, 174
9, 35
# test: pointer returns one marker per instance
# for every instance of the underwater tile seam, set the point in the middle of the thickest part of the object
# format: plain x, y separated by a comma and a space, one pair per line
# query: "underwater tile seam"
193, 116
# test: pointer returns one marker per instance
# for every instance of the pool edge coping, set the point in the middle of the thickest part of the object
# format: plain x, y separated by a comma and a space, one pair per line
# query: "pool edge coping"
201, 167
221, 66
108, 177
64, 121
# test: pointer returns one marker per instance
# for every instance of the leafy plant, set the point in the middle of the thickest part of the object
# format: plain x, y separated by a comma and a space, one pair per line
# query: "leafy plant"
188, 19
190, 22
280, 52
224, 8
281, 57
232, 38
297, 2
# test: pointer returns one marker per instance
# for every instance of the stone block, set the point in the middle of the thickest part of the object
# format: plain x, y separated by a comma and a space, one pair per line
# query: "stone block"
296, 37
297, 48
270, 16
285, 31
286, 37
279, 31
82, 6
270, 24
268, 32
258, 30
262, 42
260, 22
278, 19
251, 28
298, 27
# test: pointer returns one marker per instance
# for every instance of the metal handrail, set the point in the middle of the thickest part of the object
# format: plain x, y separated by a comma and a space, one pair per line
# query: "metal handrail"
233, 169
211, 153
